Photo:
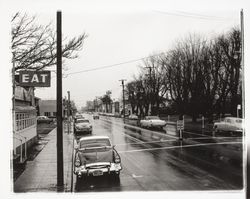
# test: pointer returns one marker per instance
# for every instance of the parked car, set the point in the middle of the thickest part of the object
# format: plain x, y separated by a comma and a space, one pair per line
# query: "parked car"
82, 125
78, 116
95, 156
229, 124
96, 116
152, 121
133, 117
44, 119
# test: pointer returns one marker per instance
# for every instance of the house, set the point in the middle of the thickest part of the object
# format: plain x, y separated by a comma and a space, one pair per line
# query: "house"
24, 122
47, 108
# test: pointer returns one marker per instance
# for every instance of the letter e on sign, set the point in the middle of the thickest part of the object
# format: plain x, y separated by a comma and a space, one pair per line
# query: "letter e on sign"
34, 78
25, 78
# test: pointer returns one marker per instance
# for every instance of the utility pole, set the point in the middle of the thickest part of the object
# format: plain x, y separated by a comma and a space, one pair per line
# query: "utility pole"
150, 84
96, 104
242, 62
69, 110
123, 96
59, 144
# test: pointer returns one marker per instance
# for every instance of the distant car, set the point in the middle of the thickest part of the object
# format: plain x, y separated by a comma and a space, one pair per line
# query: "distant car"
96, 116
152, 121
82, 125
78, 116
44, 119
133, 117
229, 124
95, 156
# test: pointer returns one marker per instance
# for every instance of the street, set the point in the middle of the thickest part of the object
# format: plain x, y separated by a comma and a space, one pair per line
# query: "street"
158, 161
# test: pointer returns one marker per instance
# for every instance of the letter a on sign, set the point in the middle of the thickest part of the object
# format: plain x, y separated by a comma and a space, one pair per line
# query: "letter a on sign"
34, 78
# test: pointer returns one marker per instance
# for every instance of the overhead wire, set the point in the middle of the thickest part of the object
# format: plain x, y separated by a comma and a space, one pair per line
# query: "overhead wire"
192, 15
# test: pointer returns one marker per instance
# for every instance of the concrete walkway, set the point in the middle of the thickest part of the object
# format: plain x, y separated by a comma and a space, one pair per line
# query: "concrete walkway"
40, 174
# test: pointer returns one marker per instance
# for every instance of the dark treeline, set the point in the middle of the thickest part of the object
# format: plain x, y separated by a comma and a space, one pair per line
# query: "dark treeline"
198, 76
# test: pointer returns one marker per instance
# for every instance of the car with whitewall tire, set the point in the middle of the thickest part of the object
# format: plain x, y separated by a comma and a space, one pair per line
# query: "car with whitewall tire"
152, 121
229, 124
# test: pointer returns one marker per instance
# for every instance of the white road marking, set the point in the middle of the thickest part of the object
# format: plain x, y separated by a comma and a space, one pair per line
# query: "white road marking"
135, 176
203, 138
161, 141
197, 134
176, 147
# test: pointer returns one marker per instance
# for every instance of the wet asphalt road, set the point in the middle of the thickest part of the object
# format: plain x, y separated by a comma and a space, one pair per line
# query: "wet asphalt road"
158, 161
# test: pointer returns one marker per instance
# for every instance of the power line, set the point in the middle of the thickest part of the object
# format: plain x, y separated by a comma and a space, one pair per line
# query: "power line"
112, 65
204, 16
190, 15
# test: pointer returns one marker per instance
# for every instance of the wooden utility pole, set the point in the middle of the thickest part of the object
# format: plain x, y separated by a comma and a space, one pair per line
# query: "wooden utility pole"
60, 173
123, 96
242, 62
68, 112
150, 84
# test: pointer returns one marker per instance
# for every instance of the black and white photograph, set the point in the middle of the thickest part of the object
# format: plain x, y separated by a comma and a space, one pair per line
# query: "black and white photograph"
110, 99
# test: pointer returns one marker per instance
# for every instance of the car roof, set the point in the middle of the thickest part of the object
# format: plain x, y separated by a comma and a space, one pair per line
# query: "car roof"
94, 137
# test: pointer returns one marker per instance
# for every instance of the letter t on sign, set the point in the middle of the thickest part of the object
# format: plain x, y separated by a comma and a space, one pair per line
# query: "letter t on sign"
44, 77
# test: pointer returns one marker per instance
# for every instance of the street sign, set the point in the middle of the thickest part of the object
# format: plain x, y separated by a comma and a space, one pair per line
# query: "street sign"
34, 78
180, 125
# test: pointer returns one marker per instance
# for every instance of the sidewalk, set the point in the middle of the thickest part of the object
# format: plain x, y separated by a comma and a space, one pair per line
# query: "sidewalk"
40, 174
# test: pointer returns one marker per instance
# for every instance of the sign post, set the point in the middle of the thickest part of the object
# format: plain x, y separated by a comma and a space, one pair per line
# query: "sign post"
180, 128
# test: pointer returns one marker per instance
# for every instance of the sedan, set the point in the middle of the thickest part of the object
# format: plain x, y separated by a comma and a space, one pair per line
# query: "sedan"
44, 119
229, 124
82, 126
152, 121
96, 157
96, 116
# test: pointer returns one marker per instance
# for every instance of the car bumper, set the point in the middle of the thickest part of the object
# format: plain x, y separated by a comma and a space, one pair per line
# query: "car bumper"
85, 130
102, 170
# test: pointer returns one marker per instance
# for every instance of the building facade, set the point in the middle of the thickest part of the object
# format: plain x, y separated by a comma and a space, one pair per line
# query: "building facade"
24, 122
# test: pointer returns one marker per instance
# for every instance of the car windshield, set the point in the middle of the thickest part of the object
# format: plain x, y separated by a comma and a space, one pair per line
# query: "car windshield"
94, 143
152, 118
82, 121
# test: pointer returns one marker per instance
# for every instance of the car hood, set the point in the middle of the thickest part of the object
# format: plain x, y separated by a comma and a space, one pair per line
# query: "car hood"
93, 156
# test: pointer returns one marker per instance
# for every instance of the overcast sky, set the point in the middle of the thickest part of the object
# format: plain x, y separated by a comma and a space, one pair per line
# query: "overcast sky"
121, 36
123, 32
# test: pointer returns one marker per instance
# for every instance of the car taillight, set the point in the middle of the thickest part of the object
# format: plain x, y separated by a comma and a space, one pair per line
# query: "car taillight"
117, 158
77, 161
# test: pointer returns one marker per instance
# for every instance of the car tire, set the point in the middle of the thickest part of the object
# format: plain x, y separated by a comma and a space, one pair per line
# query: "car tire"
115, 176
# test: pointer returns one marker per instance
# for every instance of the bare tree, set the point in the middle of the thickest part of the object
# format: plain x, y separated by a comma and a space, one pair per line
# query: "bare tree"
34, 46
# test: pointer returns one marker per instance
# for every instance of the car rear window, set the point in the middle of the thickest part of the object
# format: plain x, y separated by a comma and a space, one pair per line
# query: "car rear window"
94, 143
